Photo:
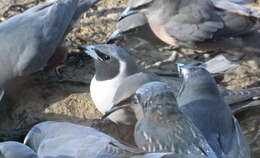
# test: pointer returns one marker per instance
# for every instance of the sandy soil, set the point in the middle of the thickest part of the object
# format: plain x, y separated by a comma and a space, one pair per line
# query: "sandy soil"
48, 98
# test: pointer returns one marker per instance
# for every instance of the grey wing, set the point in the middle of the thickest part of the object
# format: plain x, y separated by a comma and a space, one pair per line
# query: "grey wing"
194, 22
168, 155
51, 129
237, 96
131, 22
174, 82
66, 139
241, 7
12, 149
57, 20
118, 150
176, 139
131, 84
247, 105
159, 155
38, 7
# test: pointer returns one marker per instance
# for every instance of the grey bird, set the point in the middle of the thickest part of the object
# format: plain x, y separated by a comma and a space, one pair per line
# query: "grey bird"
16, 150
199, 99
164, 128
62, 139
136, 26
113, 65
32, 46
200, 24
118, 77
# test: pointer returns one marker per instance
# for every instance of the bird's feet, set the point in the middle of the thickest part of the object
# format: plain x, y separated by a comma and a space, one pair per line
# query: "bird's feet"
58, 71
171, 59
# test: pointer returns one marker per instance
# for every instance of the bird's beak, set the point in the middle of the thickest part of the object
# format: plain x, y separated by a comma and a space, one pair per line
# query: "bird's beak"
113, 109
90, 50
1, 95
116, 35
117, 106
179, 67
127, 12
130, 103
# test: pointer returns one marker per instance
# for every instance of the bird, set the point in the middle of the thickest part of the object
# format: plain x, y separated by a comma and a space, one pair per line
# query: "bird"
200, 100
112, 65
164, 128
117, 77
202, 25
64, 139
38, 40
11, 149
136, 26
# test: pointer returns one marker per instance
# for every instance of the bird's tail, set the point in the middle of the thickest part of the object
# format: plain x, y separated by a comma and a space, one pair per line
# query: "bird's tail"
243, 8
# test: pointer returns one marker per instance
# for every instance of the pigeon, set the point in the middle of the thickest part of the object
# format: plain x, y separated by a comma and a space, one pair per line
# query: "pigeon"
31, 47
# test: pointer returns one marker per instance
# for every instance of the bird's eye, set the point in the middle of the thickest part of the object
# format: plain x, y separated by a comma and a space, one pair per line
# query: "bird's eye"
107, 57
103, 56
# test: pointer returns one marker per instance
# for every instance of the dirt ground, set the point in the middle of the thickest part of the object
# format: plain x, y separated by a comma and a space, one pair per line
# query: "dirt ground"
48, 98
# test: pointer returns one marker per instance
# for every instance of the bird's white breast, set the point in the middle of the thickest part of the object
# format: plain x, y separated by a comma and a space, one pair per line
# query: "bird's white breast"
102, 92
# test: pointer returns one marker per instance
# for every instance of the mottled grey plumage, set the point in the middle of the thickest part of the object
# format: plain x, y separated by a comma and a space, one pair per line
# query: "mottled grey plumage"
16, 150
118, 77
200, 99
164, 127
200, 24
61, 139
29, 40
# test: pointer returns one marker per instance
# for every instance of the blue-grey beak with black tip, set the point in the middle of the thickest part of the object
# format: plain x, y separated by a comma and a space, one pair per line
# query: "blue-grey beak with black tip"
90, 50
179, 65
116, 35
113, 108
127, 12
117, 106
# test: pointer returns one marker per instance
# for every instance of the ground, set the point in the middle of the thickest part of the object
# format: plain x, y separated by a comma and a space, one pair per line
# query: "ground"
48, 98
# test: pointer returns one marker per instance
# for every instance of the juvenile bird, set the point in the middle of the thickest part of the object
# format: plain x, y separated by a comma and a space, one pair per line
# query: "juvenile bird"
164, 128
